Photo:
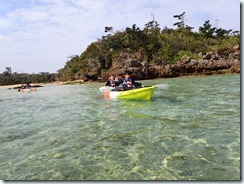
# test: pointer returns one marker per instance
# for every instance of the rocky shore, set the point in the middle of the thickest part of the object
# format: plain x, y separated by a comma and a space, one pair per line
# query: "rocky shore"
209, 63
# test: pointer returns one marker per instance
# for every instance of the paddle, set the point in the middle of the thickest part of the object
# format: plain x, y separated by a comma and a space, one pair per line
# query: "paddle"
162, 86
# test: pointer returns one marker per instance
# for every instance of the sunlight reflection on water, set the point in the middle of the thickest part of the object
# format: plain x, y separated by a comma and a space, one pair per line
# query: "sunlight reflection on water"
189, 131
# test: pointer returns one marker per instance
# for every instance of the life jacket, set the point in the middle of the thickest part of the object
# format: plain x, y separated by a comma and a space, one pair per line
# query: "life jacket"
128, 82
112, 83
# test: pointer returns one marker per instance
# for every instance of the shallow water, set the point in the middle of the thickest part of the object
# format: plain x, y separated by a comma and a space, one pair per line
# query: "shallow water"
189, 131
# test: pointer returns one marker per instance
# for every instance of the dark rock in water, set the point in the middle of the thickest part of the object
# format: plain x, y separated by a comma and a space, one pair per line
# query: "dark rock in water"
18, 87
15, 87
91, 77
36, 86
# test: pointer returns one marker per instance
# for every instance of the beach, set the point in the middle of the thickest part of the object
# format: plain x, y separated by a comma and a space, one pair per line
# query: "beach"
33, 84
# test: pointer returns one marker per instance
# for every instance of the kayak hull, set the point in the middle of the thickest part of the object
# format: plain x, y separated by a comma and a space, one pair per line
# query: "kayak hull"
144, 93
27, 90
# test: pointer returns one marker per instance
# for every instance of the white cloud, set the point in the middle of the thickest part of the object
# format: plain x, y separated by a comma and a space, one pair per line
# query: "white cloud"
40, 35
4, 24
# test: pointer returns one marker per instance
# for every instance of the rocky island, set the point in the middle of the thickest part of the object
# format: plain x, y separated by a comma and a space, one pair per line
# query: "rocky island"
153, 52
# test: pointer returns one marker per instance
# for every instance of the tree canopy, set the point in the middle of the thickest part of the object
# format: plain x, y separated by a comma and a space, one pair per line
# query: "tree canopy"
154, 42
9, 78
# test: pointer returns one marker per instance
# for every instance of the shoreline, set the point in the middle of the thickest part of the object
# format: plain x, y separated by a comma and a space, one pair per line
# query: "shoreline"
33, 84
82, 82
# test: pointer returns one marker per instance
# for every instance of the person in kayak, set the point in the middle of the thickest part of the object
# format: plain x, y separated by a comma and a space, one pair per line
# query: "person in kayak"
28, 86
25, 86
128, 82
112, 81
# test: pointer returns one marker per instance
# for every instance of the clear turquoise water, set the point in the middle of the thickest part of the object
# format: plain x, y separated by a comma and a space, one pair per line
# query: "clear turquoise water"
189, 131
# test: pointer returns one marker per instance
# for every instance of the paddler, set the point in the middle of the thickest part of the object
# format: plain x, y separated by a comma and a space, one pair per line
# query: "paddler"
112, 81
128, 82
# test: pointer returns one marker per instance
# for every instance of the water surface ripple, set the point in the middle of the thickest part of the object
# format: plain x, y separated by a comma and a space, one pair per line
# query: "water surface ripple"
190, 131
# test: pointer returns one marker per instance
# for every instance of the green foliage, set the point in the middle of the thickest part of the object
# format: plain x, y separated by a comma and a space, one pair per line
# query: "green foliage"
167, 44
183, 53
225, 44
72, 67
9, 78
221, 33
207, 30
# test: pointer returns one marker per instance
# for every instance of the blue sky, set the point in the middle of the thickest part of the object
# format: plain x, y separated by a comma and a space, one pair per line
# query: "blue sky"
40, 35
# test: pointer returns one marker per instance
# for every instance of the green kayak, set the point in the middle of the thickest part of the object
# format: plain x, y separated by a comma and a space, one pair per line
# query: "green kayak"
144, 93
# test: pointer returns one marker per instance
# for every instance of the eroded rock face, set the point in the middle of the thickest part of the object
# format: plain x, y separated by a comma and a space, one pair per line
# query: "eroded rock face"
208, 64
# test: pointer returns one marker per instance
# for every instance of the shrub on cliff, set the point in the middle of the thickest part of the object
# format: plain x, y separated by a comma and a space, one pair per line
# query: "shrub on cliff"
151, 43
